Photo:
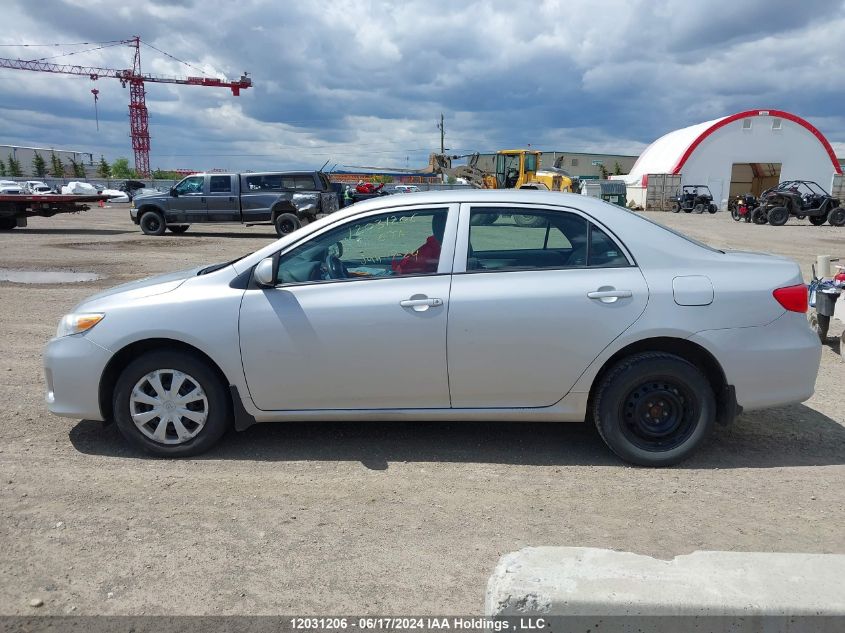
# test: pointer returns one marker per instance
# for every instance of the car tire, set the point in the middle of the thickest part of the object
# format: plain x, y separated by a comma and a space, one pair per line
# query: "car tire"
683, 403
152, 223
759, 216
286, 223
676, 208
7, 224
699, 208
528, 221
820, 325
817, 220
712, 208
134, 392
483, 219
178, 228
836, 217
778, 216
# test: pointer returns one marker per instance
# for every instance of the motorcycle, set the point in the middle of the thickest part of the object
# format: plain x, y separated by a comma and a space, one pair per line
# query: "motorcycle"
741, 207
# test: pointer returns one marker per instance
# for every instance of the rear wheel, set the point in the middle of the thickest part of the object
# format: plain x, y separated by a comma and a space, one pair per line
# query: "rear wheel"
286, 223
528, 221
152, 223
699, 208
676, 208
778, 216
817, 220
820, 324
178, 228
654, 409
759, 216
836, 217
171, 404
712, 208
7, 224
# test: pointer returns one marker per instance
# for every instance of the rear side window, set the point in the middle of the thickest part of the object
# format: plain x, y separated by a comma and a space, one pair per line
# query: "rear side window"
220, 184
263, 183
524, 239
304, 182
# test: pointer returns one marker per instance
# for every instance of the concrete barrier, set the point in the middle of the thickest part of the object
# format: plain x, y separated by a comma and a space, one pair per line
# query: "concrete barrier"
582, 581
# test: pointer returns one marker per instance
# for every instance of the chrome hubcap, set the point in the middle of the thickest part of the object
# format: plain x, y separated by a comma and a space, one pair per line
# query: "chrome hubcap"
168, 406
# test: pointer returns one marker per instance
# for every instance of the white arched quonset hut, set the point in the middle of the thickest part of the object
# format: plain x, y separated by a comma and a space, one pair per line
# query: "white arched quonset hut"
745, 152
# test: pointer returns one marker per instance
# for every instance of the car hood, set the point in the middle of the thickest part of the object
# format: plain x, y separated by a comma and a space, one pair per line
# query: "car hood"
139, 289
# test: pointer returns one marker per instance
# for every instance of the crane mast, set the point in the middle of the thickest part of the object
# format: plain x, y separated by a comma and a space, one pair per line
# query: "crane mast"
138, 115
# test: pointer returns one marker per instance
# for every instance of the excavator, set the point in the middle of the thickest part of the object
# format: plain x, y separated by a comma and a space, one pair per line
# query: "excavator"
514, 169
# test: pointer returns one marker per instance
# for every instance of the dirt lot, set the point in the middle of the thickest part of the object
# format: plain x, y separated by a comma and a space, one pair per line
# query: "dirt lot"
363, 518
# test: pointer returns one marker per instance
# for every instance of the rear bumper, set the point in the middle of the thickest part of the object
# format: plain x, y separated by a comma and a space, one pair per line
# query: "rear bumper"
770, 365
73, 366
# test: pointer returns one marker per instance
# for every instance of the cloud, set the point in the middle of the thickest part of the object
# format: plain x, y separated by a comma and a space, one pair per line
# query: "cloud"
363, 82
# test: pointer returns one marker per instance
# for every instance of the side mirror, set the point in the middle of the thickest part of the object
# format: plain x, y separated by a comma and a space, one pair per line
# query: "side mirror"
173, 192
264, 273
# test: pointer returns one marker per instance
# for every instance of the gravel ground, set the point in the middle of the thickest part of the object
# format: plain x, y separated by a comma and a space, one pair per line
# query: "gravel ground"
363, 517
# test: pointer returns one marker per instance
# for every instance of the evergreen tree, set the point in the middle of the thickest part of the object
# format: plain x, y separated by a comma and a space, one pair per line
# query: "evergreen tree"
617, 169
57, 169
103, 169
15, 170
2, 168
39, 165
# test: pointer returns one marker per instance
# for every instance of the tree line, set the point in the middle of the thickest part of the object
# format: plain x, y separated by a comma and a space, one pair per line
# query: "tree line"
119, 169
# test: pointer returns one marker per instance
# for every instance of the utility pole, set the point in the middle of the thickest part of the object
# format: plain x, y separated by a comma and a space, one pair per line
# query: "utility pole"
442, 135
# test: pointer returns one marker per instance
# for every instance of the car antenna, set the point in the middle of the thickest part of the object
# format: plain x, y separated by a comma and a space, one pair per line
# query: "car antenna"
324, 165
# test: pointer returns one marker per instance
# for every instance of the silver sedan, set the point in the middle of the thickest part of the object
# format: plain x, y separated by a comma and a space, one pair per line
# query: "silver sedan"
472, 305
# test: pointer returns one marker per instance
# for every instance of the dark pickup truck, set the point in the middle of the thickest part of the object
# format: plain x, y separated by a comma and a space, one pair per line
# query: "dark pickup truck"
287, 200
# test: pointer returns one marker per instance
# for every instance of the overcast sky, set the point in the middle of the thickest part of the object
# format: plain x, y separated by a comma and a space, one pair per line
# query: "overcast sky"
363, 83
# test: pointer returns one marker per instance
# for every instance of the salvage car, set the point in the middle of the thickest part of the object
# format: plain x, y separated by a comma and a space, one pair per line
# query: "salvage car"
285, 200
649, 335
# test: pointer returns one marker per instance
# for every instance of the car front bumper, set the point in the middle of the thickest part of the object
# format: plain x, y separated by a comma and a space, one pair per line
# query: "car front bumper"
73, 366
771, 365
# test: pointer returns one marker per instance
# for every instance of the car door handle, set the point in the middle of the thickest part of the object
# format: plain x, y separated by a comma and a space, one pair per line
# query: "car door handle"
610, 296
421, 303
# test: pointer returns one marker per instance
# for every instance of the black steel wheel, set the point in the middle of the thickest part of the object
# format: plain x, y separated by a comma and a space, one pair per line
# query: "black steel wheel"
699, 208
759, 216
836, 217
778, 216
712, 208
286, 224
676, 208
654, 408
817, 220
152, 223
7, 224
178, 228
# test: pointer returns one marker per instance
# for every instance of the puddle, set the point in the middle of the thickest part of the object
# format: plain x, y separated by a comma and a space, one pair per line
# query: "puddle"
45, 276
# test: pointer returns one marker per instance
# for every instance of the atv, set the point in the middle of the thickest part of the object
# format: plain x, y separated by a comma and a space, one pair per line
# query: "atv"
694, 198
800, 199
741, 207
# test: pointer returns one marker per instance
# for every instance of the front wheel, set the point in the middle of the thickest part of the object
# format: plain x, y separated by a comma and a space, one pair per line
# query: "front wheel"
171, 404
676, 208
778, 216
7, 224
699, 208
286, 223
735, 214
654, 409
712, 208
177, 228
152, 223
759, 216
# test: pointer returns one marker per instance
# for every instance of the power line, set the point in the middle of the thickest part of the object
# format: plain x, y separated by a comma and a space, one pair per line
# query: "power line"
72, 44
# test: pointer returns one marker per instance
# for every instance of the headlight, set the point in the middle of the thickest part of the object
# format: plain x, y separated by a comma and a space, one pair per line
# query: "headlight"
76, 323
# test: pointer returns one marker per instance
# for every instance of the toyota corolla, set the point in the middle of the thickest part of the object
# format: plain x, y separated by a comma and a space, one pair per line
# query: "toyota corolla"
470, 305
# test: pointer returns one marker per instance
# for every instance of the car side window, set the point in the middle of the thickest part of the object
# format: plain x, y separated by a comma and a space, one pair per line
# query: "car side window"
191, 184
387, 245
524, 239
517, 239
220, 184
304, 182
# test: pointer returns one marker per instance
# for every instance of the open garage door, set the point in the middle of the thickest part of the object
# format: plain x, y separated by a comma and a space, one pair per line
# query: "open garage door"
753, 178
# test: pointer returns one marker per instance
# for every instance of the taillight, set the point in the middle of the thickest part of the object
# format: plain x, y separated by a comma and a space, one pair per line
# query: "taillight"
792, 298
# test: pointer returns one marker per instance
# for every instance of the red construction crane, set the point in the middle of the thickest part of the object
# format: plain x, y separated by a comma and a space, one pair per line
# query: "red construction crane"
138, 120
